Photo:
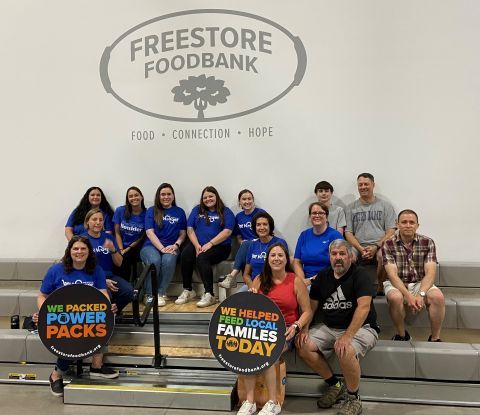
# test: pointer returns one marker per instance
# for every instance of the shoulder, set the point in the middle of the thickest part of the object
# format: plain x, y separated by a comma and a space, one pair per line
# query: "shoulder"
227, 211
334, 233
120, 209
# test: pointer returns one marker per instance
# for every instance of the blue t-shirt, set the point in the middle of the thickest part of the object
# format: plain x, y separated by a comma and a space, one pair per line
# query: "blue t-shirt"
174, 221
243, 225
80, 229
104, 256
257, 252
312, 250
56, 277
206, 232
132, 228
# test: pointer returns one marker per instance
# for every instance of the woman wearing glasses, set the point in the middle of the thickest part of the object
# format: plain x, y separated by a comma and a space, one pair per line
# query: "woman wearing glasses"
311, 252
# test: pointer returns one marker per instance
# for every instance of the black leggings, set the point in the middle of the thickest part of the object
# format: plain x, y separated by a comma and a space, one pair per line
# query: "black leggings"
204, 262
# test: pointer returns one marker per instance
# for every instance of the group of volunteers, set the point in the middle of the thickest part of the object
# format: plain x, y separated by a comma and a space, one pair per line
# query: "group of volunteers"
327, 275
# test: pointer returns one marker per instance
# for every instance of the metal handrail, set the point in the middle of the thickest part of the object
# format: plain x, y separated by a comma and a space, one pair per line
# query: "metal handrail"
152, 302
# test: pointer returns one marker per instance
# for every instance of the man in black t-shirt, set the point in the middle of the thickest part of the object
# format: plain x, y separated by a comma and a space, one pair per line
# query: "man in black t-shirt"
341, 296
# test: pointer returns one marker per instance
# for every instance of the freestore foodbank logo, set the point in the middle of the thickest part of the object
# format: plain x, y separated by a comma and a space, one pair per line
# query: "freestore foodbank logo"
203, 65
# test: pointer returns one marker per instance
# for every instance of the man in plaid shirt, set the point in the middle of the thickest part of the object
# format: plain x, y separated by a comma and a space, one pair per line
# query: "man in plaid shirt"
410, 261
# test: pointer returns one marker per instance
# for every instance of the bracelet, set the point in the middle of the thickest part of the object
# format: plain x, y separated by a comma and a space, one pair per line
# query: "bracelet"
177, 244
211, 243
297, 326
113, 252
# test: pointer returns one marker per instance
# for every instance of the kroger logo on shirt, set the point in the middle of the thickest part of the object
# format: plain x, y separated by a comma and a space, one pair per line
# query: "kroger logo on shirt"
77, 282
101, 249
263, 255
194, 65
245, 225
210, 218
170, 219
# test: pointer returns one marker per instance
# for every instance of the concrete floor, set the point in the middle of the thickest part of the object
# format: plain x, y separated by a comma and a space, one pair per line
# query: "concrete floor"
26, 400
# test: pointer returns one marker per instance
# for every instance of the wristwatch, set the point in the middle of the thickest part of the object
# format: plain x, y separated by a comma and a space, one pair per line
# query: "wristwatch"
422, 293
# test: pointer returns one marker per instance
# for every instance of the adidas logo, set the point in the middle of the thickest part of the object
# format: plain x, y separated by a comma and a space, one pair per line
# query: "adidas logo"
337, 301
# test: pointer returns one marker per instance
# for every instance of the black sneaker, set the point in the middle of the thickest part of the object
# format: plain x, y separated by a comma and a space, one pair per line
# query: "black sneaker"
56, 387
434, 341
405, 338
104, 372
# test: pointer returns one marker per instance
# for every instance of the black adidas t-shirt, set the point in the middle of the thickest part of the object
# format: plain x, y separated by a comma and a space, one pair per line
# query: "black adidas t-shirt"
337, 298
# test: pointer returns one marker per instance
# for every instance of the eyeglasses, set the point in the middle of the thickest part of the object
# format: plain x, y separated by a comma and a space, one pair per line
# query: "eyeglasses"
318, 214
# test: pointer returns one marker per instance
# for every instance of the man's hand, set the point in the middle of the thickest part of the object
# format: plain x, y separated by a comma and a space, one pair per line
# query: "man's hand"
342, 344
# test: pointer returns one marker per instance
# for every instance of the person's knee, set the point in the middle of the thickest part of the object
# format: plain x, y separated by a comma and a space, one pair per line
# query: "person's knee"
394, 297
435, 297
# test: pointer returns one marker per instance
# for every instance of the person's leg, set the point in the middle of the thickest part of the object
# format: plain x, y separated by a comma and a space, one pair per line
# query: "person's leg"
187, 264
150, 255
169, 263
396, 308
124, 294
241, 258
350, 369
311, 355
206, 260
435, 302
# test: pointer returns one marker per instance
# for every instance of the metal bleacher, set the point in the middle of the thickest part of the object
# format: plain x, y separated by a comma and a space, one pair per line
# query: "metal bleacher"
189, 376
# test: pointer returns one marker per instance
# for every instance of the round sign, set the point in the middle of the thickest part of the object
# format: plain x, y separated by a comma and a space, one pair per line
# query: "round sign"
75, 321
247, 333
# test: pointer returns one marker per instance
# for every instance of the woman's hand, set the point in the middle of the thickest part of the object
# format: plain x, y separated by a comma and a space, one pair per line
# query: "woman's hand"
112, 285
206, 247
290, 333
170, 249
252, 289
35, 318
114, 309
108, 244
125, 250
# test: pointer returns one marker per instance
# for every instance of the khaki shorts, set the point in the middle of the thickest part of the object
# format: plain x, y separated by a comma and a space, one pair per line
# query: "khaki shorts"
324, 338
413, 287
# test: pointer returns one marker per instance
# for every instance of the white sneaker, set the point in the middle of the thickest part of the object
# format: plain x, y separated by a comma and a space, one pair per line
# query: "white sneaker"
270, 408
207, 300
247, 408
161, 301
185, 297
228, 282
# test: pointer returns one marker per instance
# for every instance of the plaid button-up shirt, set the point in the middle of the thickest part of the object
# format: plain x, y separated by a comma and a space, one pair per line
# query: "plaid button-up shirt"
410, 260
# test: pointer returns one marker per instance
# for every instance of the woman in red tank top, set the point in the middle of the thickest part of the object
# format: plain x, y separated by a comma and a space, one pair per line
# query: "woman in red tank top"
282, 286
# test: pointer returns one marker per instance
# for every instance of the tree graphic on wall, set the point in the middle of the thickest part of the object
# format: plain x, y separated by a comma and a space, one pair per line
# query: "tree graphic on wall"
202, 91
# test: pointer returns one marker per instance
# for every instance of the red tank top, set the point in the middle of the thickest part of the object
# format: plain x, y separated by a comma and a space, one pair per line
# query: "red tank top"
283, 295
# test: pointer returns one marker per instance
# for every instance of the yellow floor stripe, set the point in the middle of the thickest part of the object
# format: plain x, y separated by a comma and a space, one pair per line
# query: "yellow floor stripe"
149, 388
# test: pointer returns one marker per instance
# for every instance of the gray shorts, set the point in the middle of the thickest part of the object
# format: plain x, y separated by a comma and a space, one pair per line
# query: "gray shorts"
413, 287
324, 338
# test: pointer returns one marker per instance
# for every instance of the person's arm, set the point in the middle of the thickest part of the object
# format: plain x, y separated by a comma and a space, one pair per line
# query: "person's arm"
193, 239
118, 236
303, 301
154, 240
303, 335
354, 242
117, 257
361, 312
429, 278
298, 270
68, 233
247, 276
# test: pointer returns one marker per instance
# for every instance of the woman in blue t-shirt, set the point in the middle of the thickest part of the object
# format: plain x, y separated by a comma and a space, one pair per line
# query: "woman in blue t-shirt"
107, 253
93, 198
129, 225
245, 235
78, 266
263, 226
311, 252
166, 225
209, 229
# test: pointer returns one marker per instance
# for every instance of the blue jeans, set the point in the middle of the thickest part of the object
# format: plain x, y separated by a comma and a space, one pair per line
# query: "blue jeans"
241, 256
124, 294
164, 264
